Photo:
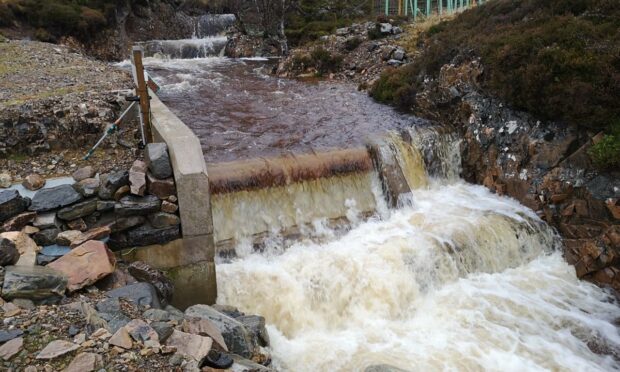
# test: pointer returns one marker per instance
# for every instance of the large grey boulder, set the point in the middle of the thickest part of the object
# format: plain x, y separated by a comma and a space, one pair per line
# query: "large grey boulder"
55, 197
237, 337
132, 205
78, 210
142, 294
11, 204
255, 324
33, 283
158, 160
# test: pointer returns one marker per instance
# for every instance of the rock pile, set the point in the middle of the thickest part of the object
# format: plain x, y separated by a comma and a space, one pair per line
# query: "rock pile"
124, 208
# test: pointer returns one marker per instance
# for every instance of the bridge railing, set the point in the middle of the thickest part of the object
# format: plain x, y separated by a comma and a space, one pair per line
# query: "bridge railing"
425, 8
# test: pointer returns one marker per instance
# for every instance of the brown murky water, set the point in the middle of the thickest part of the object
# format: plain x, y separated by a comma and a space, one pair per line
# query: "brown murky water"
239, 111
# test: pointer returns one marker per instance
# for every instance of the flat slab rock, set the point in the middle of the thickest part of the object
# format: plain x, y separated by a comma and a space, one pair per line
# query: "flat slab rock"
57, 348
142, 294
12, 204
195, 346
33, 282
54, 197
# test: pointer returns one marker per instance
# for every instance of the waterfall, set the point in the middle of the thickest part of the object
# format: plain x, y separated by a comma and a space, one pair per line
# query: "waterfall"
455, 279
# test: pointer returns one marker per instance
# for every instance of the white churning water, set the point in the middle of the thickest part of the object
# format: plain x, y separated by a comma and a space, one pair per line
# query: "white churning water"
455, 279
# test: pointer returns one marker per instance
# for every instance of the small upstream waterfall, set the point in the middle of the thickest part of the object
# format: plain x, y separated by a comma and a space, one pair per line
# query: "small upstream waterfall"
207, 40
456, 278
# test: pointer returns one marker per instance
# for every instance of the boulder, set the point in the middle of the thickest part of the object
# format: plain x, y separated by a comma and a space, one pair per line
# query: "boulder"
11, 348
85, 362
9, 255
33, 182
26, 247
77, 224
163, 329
237, 337
162, 188
140, 331
121, 339
194, 346
399, 54
158, 160
88, 187
256, 325
161, 220
85, 264
46, 237
69, 237
83, 173
46, 220
78, 210
205, 327
137, 178
33, 282
143, 294
96, 233
11, 204
55, 197
57, 348
145, 273
385, 28
119, 278
125, 223
5, 180
110, 183
169, 207
105, 205
137, 205
18, 222
144, 235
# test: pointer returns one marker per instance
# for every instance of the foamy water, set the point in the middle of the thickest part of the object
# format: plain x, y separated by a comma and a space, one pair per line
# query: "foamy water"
460, 279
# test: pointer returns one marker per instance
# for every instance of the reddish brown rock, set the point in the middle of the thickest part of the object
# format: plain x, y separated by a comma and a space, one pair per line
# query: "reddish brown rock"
205, 327
163, 189
169, 207
121, 192
137, 178
614, 207
194, 346
85, 264
77, 224
96, 233
19, 222
83, 173
33, 182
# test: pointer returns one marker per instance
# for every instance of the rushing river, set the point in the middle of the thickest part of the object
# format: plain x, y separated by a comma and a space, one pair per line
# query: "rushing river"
456, 278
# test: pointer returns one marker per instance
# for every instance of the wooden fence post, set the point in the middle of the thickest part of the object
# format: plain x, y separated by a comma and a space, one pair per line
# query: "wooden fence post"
143, 93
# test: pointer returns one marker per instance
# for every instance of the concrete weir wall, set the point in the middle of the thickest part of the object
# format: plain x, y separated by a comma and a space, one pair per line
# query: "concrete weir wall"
189, 261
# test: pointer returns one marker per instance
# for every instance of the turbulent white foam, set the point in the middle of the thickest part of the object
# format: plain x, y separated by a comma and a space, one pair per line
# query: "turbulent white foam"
459, 280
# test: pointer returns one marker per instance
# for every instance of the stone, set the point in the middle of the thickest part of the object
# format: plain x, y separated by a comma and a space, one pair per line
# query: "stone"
43, 260
10, 309
83, 173
84, 362
161, 220
88, 187
385, 28
140, 331
163, 329
217, 360
205, 327
55, 250
145, 273
145, 235
157, 315
26, 247
231, 311
9, 255
54, 197
10, 334
121, 192
57, 348
110, 183
34, 283
246, 365
68, 237
33, 182
5, 180
143, 294
46, 220
162, 188
105, 205
11, 204
195, 346
158, 160
399, 54
256, 325
96, 233
30, 230
137, 205
101, 334
169, 207
121, 339
11, 348
238, 339
23, 303
119, 278
85, 264
18, 222
125, 223
78, 210
77, 224
137, 178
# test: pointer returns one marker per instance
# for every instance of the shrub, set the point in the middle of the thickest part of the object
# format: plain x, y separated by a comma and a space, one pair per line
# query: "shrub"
606, 153
352, 43
324, 61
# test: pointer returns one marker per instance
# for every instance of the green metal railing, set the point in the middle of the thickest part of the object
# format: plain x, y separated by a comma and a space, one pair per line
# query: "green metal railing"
415, 8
